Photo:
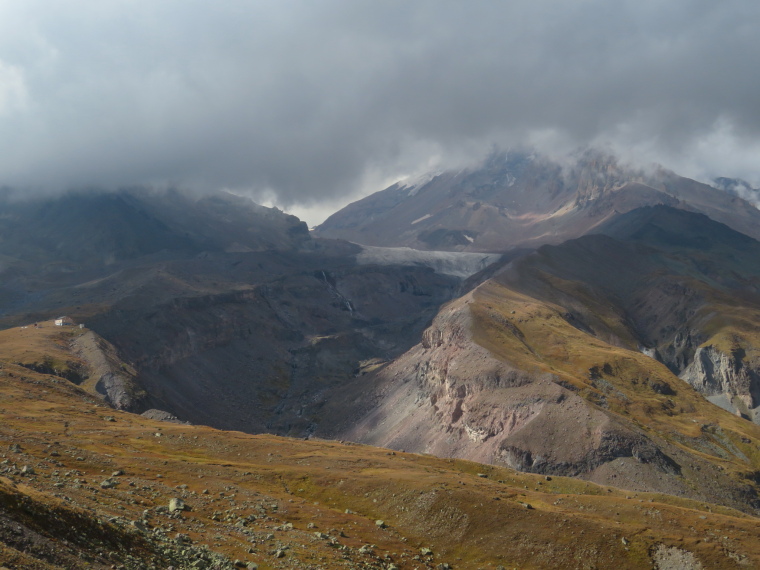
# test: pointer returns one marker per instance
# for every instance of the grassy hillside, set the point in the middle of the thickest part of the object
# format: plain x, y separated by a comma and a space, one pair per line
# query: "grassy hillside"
82, 485
536, 335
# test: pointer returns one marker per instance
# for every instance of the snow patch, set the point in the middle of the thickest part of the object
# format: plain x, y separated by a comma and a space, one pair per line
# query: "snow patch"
455, 263
414, 183
425, 217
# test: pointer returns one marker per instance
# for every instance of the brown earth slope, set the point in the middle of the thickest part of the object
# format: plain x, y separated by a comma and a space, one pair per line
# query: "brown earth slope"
84, 486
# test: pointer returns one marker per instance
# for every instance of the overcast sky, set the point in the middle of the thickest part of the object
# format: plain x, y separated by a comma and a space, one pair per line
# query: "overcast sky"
311, 103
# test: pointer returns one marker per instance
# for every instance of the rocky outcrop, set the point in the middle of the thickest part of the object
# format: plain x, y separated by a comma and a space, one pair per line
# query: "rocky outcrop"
451, 397
163, 416
108, 376
725, 379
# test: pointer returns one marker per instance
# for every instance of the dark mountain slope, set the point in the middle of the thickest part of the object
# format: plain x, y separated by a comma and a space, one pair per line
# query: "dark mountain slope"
253, 345
91, 228
230, 313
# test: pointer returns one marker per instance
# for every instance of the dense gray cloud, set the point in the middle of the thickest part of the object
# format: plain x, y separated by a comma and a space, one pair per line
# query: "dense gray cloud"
315, 100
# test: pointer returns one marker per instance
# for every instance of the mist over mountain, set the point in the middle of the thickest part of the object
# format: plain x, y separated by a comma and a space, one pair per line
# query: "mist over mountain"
738, 187
301, 103
522, 198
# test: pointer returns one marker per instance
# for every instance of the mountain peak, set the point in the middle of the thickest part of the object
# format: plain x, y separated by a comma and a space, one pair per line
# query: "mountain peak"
519, 198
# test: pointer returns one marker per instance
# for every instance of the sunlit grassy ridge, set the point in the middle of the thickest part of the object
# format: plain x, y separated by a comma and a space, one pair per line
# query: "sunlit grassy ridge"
584, 313
535, 336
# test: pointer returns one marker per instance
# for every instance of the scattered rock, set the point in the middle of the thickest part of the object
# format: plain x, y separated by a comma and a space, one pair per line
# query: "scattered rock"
108, 484
177, 505
674, 558
279, 554
380, 524
426, 552
27, 470
140, 525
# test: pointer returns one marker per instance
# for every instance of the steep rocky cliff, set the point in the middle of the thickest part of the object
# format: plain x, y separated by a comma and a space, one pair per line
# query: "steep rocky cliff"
726, 379
108, 375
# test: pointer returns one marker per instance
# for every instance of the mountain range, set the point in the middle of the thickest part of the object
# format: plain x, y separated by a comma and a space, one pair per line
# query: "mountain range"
580, 321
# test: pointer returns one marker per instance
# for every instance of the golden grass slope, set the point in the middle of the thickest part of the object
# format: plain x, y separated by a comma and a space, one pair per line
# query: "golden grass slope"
84, 486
